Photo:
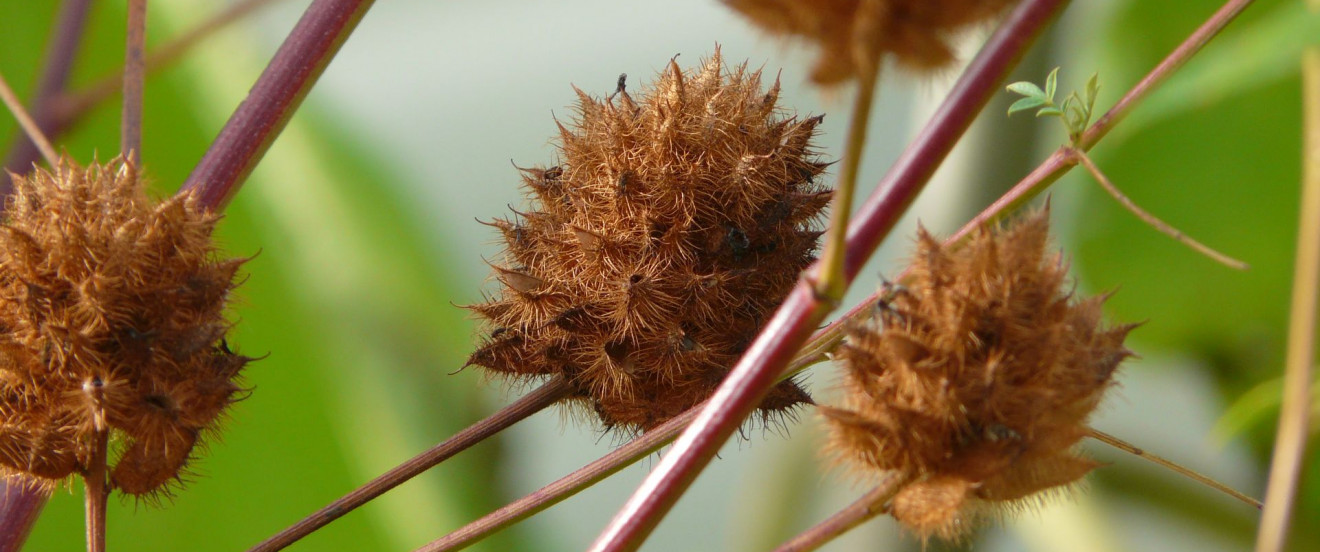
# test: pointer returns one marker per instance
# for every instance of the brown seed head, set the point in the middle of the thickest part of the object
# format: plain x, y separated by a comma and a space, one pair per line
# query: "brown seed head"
974, 382
111, 318
652, 254
853, 34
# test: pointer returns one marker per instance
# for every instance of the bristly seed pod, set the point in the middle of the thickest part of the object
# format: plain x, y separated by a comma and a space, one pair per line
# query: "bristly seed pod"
852, 34
974, 382
111, 319
653, 253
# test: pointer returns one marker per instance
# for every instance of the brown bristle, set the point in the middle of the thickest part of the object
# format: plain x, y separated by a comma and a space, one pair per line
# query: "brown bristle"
974, 382
656, 248
110, 305
852, 34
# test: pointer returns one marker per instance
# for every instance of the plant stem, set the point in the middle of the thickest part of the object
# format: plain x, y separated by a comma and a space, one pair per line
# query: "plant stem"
830, 280
1290, 445
1080, 156
1170, 465
788, 329
26, 121
95, 492
273, 99
575, 482
130, 126
60, 53
868, 506
531, 403
74, 104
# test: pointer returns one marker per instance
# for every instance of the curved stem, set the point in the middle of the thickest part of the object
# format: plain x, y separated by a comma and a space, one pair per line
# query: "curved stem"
868, 506
277, 93
779, 341
531, 403
1151, 220
1170, 465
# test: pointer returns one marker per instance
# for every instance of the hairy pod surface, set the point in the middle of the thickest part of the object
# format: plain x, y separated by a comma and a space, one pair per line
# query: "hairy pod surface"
975, 381
853, 34
653, 253
111, 319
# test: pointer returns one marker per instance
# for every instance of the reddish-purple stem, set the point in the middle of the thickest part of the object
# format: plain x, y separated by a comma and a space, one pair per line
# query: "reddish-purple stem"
273, 99
780, 340
20, 505
55, 71
551, 392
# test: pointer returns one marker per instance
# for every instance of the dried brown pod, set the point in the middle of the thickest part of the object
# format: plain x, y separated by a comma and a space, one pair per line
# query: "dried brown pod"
853, 34
973, 383
111, 320
652, 254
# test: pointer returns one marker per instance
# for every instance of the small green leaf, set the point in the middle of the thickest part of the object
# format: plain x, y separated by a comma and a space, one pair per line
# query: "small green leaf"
1092, 92
1027, 89
1026, 104
1052, 83
1049, 111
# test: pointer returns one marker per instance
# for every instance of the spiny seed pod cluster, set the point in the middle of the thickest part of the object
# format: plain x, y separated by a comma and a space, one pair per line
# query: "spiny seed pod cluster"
853, 34
111, 320
974, 383
652, 254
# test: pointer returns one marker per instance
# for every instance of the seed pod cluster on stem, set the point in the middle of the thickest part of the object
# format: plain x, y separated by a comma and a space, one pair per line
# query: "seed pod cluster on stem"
974, 382
853, 34
654, 251
111, 321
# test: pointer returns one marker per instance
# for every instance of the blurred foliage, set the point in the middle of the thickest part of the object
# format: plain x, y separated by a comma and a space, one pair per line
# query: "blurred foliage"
1216, 153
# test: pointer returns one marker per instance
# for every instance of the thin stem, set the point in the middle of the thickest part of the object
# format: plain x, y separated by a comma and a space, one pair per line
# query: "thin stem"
565, 487
130, 127
788, 329
1290, 445
96, 492
274, 98
830, 281
1159, 225
60, 53
531, 403
868, 506
575, 482
1180, 55
25, 120
1170, 465
73, 105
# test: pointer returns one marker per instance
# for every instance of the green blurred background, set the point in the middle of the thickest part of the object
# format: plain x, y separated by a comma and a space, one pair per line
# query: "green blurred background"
361, 217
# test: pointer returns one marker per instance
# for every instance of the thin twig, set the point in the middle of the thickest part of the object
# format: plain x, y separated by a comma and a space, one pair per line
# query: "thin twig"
96, 494
531, 403
25, 120
1290, 445
830, 280
130, 125
74, 104
1159, 225
273, 99
58, 63
1171, 465
868, 506
782, 336
580, 479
